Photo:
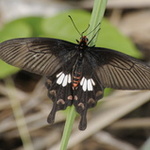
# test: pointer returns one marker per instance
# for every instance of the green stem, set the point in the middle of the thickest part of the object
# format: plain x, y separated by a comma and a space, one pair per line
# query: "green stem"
71, 114
96, 18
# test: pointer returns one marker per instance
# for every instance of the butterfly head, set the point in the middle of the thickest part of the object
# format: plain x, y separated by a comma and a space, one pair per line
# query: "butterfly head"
83, 43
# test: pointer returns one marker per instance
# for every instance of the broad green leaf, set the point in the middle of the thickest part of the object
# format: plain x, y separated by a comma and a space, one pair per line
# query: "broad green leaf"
34, 23
60, 26
110, 37
15, 29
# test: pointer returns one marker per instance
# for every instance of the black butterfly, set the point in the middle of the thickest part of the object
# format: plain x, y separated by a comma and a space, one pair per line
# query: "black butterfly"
76, 74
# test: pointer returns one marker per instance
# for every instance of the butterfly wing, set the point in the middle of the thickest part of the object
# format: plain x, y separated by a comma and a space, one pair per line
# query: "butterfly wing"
119, 71
42, 56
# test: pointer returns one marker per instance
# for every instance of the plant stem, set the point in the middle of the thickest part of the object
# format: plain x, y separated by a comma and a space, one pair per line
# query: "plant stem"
96, 18
68, 127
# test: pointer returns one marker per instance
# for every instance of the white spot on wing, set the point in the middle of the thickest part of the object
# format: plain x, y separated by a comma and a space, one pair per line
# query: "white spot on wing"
87, 84
90, 86
81, 82
60, 79
84, 87
65, 81
69, 78
58, 74
92, 82
35, 56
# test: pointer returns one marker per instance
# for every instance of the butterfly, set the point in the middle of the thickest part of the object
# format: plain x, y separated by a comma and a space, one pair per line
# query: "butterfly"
76, 73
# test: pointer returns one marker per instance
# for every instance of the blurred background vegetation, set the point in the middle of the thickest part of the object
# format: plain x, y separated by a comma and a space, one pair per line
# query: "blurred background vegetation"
122, 120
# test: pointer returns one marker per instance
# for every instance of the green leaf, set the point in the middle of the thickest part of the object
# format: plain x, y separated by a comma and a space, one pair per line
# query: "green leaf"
61, 26
110, 37
15, 29
34, 23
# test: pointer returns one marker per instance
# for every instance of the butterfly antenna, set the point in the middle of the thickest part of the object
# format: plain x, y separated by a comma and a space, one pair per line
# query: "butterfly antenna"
74, 25
85, 30
94, 36
94, 29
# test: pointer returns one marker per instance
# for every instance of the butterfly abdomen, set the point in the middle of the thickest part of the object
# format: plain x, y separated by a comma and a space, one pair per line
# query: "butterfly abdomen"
77, 72
76, 79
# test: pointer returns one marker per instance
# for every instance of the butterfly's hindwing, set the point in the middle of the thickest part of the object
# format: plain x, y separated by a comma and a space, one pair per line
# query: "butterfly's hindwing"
59, 91
87, 95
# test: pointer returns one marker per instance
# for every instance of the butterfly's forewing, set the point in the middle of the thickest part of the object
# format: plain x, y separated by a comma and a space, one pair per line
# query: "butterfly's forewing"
120, 71
42, 56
